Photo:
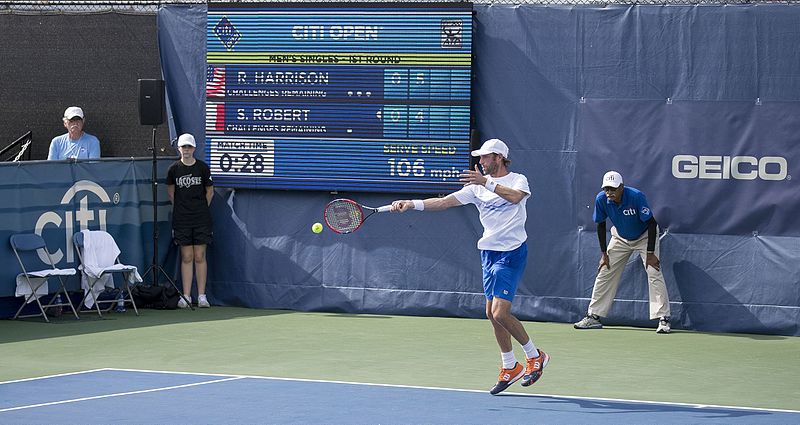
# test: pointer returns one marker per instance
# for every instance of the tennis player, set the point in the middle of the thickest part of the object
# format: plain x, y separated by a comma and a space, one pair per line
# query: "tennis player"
500, 197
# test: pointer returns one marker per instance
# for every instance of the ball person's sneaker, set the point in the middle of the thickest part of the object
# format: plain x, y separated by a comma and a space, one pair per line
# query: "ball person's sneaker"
535, 368
182, 303
663, 326
506, 378
591, 321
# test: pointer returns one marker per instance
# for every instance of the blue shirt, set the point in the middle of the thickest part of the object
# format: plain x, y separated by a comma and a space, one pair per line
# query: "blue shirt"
87, 147
629, 216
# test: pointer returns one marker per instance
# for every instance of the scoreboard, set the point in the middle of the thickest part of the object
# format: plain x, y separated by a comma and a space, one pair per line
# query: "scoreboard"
339, 96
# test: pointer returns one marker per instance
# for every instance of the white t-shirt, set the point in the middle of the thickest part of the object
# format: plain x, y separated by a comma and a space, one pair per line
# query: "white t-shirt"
503, 222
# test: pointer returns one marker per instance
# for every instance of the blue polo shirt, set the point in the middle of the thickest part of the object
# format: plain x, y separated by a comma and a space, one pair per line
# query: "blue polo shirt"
629, 216
86, 147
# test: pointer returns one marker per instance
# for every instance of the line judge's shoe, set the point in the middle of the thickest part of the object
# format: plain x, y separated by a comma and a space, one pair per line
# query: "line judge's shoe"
535, 368
506, 378
591, 321
182, 303
202, 301
663, 326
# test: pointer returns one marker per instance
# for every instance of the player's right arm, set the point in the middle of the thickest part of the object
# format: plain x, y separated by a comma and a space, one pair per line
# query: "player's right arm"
430, 204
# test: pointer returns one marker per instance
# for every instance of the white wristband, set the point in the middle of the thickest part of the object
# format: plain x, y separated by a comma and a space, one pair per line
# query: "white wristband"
418, 204
490, 184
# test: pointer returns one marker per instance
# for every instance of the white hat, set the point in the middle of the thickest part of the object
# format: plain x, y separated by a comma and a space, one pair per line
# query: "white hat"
492, 146
611, 179
72, 112
186, 140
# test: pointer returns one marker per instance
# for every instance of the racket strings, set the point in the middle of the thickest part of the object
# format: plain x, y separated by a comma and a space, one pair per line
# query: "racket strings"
344, 216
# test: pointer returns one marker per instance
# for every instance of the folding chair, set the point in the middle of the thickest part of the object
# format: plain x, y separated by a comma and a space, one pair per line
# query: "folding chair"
95, 273
37, 280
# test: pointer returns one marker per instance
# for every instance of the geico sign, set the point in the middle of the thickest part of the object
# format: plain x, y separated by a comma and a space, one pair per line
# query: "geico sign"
729, 167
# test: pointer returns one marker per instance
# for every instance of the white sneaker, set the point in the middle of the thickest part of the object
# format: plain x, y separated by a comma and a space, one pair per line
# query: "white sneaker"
202, 302
591, 321
663, 326
182, 303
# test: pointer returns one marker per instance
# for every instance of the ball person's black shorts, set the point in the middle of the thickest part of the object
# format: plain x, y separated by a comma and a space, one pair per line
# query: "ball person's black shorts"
196, 235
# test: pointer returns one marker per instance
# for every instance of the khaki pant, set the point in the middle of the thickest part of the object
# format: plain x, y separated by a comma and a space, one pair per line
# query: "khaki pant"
607, 281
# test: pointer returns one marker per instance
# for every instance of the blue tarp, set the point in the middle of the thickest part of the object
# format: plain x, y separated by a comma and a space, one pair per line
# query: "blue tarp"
697, 106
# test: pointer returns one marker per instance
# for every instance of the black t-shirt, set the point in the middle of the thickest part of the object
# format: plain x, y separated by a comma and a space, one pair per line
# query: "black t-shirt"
190, 206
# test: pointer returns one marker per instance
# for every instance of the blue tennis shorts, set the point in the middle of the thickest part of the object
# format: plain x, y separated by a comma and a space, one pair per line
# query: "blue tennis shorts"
502, 271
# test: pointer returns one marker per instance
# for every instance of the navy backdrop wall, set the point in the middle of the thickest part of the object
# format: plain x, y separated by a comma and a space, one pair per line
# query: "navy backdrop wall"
695, 105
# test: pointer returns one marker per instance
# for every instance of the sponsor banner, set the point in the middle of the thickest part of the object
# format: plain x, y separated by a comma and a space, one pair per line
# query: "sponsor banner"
56, 199
706, 167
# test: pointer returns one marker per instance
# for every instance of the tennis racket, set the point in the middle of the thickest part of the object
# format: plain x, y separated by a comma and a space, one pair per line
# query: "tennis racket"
346, 216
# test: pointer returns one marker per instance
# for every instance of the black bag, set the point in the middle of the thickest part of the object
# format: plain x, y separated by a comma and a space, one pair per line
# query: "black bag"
157, 297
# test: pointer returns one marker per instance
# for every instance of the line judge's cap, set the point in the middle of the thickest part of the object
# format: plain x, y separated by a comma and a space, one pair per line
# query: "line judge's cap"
186, 139
492, 146
72, 112
612, 179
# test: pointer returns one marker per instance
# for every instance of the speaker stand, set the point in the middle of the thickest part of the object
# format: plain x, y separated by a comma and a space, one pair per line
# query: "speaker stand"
155, 268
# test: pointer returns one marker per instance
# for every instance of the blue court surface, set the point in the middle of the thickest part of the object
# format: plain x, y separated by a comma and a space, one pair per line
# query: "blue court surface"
117, 396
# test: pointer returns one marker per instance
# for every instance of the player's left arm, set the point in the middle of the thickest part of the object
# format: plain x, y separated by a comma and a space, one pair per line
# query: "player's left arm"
475, 176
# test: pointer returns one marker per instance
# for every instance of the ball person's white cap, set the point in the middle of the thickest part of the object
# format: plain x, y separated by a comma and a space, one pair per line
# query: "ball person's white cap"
492, 146
612, 179
72, 112
186, 139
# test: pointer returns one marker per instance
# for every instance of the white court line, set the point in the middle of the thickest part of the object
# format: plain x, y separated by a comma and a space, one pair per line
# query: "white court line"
52, 376
619, 400
30, 406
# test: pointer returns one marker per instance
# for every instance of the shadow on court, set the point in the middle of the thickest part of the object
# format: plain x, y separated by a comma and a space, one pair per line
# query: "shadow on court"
618, 409
90, 323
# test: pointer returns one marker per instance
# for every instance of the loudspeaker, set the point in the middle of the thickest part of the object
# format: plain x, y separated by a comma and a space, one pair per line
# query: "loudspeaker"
151, 102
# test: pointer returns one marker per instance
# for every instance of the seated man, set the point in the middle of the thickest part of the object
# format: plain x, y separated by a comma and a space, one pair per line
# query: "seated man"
76, 143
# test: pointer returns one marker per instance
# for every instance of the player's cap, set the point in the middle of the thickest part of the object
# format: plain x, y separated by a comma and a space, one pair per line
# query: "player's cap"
72, 112
612, 179
492, 146
186, 140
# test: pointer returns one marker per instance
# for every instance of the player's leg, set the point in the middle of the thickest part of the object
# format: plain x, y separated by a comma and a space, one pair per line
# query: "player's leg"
511, 370
657, 288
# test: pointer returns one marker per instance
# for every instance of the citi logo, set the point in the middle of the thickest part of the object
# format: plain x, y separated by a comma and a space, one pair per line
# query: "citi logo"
629, 211
83, 217
774, 168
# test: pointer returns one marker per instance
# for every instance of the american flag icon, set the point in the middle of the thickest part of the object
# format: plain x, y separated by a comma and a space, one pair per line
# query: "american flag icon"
215, 81
215, 116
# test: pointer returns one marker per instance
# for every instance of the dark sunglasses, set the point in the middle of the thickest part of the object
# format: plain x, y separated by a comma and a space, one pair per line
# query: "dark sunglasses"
610, 189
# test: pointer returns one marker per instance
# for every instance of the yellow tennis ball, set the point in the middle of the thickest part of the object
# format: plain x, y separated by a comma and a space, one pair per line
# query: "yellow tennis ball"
316, 228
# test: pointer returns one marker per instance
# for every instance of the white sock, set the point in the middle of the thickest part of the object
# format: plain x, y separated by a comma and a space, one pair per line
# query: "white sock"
509, 361
530, 350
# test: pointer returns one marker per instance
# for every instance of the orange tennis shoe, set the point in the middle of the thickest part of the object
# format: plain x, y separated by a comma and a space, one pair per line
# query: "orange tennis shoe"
535, 368
506, 378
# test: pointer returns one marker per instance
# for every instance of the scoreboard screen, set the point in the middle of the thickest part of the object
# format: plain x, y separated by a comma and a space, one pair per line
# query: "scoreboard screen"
339, 96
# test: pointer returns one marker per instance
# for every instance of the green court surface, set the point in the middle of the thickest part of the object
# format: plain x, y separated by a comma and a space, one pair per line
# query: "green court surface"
620, 363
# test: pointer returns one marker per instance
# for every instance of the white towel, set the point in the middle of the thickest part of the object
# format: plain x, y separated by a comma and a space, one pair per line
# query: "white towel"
39, 282
100, 254
23, 289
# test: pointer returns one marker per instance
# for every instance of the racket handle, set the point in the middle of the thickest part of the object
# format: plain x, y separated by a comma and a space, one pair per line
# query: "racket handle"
384, 208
